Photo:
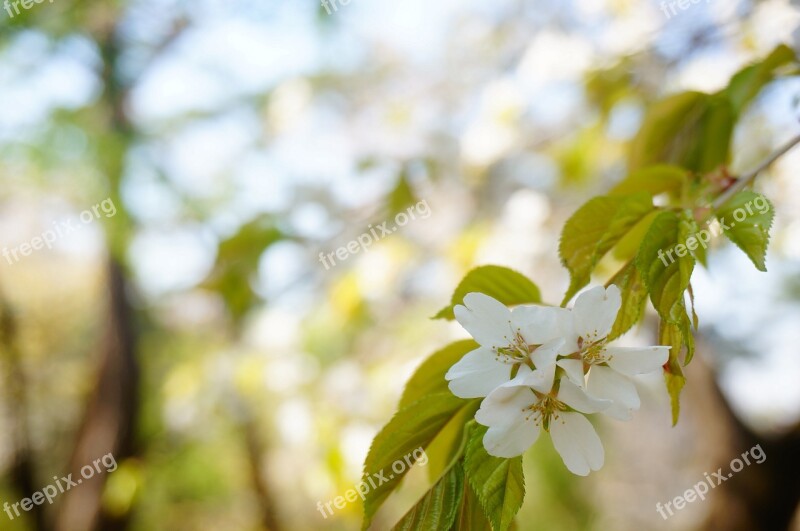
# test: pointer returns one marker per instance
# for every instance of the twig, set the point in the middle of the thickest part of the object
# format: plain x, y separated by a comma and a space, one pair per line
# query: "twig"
747, 178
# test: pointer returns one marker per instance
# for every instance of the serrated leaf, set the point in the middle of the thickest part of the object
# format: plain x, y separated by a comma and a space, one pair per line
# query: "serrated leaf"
665, 272
670, 334
506, 285
470, 515
410, 428
437, 509
593, 230
634, 299
655, 180
498, 483
751, 234
429, 377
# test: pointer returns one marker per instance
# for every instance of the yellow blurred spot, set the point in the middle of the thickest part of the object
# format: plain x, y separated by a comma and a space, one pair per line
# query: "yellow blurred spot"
121, 488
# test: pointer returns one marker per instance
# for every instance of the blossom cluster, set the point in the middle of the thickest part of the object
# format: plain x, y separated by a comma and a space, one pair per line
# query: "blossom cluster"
542, 368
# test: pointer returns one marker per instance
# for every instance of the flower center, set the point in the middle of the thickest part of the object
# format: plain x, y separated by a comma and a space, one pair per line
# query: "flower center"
591, 353
517, 351
594, 354
544, 410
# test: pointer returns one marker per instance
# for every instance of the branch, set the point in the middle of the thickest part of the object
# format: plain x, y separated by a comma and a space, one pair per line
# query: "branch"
743, 181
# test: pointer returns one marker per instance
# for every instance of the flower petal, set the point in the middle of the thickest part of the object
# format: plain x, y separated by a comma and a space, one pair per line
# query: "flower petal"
545, 355
578, 444
505, 405
486, 319
632, 361
574, 370
513, 439
576, 398
595, 312
540, 324
541, 379
477, 374
604, 382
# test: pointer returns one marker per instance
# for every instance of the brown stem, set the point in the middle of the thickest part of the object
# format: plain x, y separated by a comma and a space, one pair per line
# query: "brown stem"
743, 181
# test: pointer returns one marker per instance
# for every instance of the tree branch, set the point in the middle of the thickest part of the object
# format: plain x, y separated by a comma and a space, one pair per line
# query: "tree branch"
743, 181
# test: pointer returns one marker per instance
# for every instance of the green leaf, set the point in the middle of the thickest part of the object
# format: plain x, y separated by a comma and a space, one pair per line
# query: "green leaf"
605, 87
429, 377
715, 135
687, 336
449, 444
695, 319
654, 180
701, 252
665, 272
663, 134
237, 264
402, 196
629, 244
690, 129
470, 515
670, 334
504, 284
675, 382
594, 229
748, 82
437, 509
499, 483
751, 234
412, 427
634, 299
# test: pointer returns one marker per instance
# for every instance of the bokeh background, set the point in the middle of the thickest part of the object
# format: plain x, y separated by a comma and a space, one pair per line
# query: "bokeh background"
196, 334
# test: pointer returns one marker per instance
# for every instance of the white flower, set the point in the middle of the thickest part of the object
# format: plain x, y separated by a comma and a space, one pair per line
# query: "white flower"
518, 410
507, 339
609, 368
530, 340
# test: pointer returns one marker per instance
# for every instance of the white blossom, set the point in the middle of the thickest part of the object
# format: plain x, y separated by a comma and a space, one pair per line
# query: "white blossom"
610, 368
518, 410
507, 339
541, 368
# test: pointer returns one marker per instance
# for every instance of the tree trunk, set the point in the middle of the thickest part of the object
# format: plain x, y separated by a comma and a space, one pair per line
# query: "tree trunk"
761, 496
